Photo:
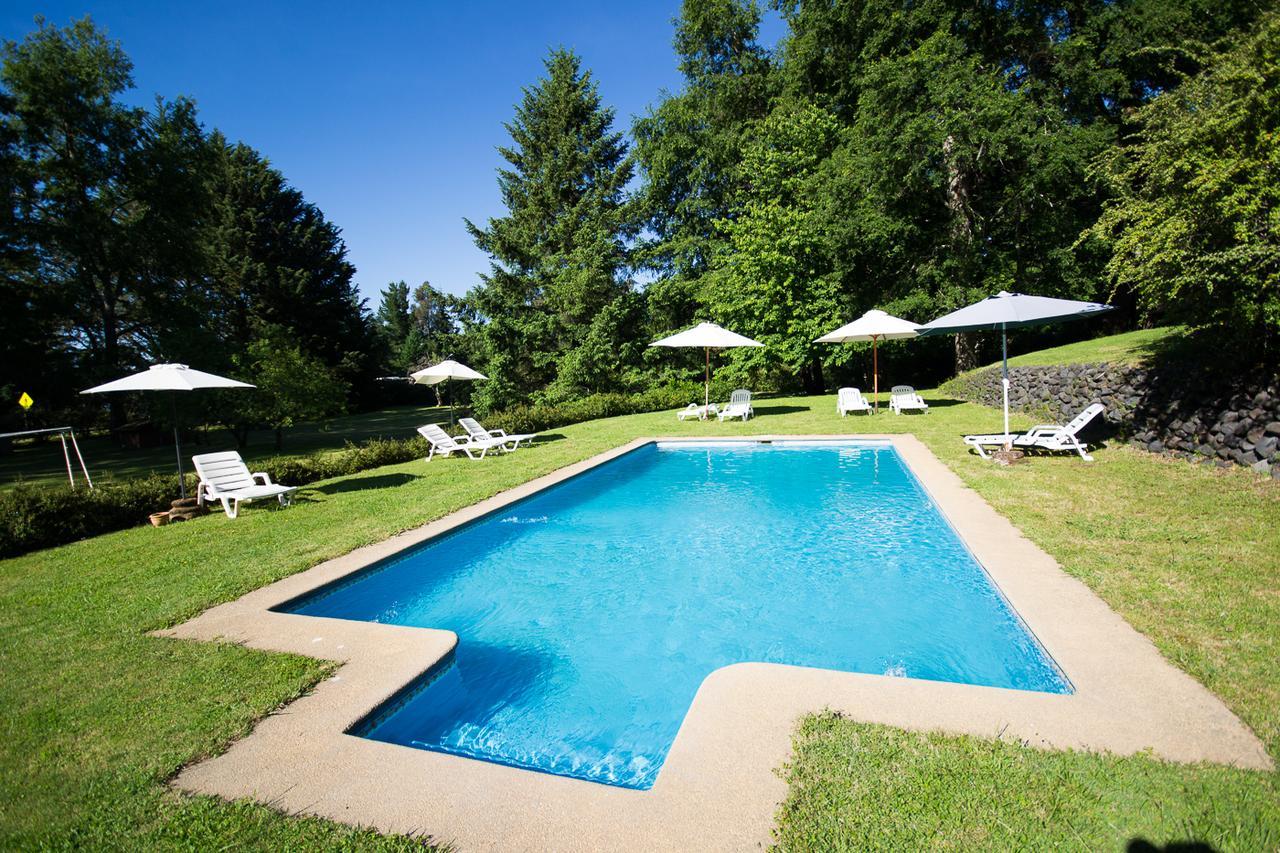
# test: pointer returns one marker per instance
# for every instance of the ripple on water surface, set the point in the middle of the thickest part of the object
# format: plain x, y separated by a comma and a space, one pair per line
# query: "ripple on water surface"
588, 614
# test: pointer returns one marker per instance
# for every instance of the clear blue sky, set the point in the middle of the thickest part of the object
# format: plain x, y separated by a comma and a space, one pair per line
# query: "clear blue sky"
386, 115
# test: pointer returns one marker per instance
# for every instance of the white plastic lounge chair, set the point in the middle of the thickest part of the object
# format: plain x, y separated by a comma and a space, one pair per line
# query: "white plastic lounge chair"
443, 444
693, 410
851, 400
903, 398
475, 432
224, 477
1043, 437
739, 406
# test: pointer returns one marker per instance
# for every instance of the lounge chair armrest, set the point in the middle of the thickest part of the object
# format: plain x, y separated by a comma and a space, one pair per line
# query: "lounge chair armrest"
266, 478
498, 433
1043, 429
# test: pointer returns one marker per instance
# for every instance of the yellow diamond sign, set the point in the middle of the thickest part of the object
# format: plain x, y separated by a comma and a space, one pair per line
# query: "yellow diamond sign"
25, 400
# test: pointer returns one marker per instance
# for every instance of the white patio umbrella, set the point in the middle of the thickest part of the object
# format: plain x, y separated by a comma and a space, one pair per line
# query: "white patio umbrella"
874, 326
1006, 311
169, 377
709, 336
446, 371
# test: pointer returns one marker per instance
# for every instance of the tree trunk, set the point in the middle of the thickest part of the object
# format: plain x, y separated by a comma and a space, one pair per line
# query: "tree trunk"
957, 195
966, 352
111, 362
958, 192
279, 439
811, 376
241, 436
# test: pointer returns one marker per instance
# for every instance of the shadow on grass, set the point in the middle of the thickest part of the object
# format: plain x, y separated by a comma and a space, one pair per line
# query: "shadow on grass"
360, 484
939, 402
777, 410
1142, 845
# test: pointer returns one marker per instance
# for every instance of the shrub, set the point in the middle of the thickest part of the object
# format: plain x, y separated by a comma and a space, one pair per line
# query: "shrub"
35, 517
538, 417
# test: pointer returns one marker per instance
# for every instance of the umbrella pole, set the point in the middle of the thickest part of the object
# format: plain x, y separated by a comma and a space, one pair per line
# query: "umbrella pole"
177, 445
706, 395
875, 374
448, 390
1004, 380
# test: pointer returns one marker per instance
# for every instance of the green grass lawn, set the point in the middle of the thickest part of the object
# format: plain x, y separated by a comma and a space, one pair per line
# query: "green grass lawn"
1126, 348
42, 462
98, 715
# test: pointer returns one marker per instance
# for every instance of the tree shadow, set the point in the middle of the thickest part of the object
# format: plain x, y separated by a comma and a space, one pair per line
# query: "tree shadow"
360, 484
943, 402
1203, 373
544, 437
778, 410
1142, 845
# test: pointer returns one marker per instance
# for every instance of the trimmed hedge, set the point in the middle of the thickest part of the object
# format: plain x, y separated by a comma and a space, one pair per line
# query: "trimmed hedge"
35, 517
539, 417
300, 470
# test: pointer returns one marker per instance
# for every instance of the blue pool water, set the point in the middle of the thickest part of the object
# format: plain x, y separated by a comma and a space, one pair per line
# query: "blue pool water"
588, 614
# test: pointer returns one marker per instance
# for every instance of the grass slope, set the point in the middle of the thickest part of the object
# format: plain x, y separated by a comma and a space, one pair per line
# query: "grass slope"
98, 715
1125, 348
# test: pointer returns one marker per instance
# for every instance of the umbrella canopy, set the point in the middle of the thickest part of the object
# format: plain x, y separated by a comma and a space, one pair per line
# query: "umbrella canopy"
1006, 311
709, 336
1011, 311
874, 326
445, 371
169, 377
871, 326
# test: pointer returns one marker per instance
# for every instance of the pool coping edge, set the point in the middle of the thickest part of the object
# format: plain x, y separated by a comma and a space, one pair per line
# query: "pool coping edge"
717, 786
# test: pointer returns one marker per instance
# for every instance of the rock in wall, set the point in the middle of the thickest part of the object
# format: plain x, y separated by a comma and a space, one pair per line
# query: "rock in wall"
1163, 410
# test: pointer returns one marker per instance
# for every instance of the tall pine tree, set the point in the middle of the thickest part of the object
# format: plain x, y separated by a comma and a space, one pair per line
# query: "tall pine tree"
275, 262
559, 254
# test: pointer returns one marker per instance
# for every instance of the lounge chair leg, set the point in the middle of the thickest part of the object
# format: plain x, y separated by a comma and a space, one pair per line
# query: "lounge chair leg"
227, 508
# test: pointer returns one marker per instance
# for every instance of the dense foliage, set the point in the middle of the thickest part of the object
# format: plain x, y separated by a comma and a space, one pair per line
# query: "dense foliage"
133, 236
908, 156
912, 157
1195, 221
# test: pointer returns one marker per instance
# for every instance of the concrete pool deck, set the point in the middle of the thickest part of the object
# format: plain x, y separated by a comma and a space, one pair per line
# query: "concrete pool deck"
718, 788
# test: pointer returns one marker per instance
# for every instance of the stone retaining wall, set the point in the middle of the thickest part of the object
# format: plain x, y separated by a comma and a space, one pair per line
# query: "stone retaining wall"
1166, 410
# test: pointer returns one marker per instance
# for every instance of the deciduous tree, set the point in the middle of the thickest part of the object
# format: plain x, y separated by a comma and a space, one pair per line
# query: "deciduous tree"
1194, 228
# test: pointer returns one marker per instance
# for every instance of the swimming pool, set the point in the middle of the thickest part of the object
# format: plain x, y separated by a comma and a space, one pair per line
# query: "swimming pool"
588, 614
